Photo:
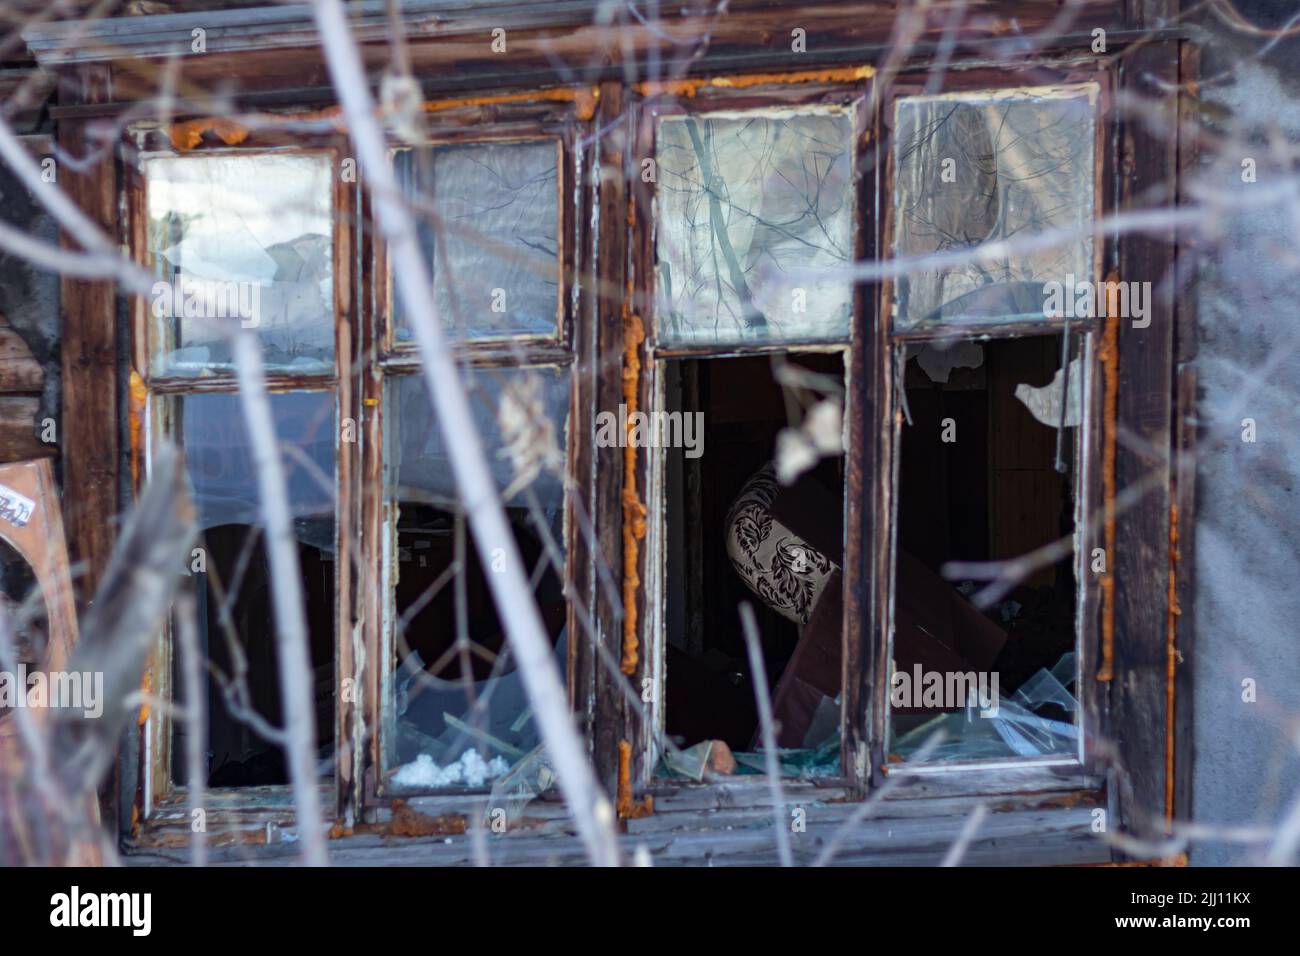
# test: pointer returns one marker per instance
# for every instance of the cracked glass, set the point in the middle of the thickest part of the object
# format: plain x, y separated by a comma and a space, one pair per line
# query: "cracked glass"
988, 168
754, 219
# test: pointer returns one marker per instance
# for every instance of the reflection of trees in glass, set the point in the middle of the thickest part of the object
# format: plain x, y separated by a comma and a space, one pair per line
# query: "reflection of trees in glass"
1014, 166
259, 220
745, 198
496, 227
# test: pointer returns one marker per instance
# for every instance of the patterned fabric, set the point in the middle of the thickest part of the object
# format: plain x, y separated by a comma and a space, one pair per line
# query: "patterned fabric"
786, 572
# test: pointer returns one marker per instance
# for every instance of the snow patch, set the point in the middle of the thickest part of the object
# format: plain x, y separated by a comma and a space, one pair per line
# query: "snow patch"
469, 770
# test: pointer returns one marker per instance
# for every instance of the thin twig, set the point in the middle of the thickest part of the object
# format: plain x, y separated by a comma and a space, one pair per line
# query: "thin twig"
771, 759
296, 682
592, 811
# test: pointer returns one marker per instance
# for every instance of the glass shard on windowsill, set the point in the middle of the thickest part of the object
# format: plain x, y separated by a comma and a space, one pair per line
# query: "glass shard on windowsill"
803, 763
530, 777
1020, 726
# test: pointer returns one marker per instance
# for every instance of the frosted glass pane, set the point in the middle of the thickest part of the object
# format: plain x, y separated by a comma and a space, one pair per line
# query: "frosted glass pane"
489, 226
246, 239
984, 168
748, 209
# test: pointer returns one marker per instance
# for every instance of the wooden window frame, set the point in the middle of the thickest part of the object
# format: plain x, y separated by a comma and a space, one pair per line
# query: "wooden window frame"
161, 804
365, 357
1011, 774
852, 95
1145, 772
512, 122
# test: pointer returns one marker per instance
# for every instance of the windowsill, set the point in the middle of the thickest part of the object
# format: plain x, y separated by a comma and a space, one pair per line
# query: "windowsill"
235, 816
706, 824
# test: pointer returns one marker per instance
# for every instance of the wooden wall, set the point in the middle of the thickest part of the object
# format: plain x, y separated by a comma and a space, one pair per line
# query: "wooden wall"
21, 380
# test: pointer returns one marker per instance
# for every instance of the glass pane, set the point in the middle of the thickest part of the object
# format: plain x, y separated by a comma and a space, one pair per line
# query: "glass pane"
489, 225
242, 238
985, 168
231, 569
456, 715
748, 208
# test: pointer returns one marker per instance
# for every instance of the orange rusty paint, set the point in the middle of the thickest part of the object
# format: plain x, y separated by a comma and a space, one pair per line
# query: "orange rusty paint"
634, 510
1171, 658
1177, 860
689, 87
189, 134
146, 689
137, 394
409, 822
1109, 356
629, 809
583, 98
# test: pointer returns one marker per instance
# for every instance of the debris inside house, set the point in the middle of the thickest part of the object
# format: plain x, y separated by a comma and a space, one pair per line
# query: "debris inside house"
1038, 720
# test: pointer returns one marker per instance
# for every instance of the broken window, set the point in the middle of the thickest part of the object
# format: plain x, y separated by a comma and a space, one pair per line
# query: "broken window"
991, 501
240, 238
753, 213
751, 341
992, 167
232, 584
737, 530
989, 471
753, 228
489, 225
456, 712
243, 242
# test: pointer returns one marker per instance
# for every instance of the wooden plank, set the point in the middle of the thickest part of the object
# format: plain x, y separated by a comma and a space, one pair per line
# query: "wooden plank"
19, 370
604, 361
38, 539
1052, 836
18, 438
861, 522
351, 567
1186, 431
372, 599
1141, 562
572, 27
89, 420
